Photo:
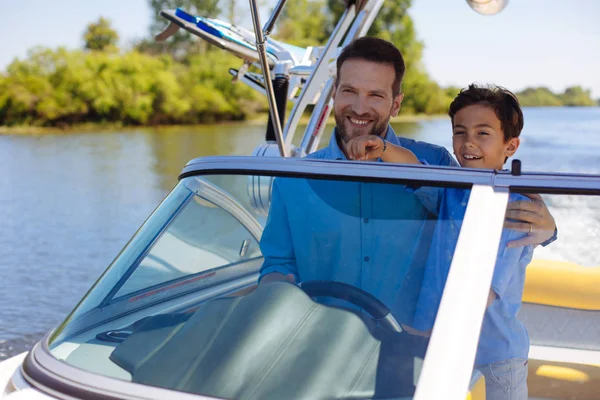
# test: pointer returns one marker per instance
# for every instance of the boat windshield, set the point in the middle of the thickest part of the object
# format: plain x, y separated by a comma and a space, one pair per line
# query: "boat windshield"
188, 280
253, 286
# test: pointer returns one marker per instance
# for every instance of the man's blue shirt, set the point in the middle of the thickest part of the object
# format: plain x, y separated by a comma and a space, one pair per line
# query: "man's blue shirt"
373, 236
503, 336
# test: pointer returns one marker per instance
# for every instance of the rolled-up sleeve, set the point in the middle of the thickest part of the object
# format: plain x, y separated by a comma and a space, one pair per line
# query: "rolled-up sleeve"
276, 243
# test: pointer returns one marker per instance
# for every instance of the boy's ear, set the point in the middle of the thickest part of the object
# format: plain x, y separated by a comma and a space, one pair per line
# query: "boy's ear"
511, 146
396, 104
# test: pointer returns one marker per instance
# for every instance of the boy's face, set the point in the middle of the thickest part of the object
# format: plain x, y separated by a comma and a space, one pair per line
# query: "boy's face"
478, 140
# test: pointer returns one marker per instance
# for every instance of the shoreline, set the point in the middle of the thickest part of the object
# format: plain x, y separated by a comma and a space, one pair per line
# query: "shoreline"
259, 119
117, 127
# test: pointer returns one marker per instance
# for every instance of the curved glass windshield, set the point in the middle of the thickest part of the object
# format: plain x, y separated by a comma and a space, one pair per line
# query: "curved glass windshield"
340, 264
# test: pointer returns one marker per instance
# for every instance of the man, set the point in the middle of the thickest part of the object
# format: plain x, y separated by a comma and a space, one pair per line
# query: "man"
373, 236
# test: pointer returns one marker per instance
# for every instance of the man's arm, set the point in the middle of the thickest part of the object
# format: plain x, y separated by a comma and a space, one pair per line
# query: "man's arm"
532, 217
276, 243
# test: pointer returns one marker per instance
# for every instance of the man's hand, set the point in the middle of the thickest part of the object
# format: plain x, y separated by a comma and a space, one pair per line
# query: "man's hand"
364, 148
532, 217
277, 277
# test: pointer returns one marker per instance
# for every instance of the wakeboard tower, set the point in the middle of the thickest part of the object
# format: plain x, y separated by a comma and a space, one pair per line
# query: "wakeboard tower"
303, 76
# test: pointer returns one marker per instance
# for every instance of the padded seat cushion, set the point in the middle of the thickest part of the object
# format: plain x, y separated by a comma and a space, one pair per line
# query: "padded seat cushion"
273, 343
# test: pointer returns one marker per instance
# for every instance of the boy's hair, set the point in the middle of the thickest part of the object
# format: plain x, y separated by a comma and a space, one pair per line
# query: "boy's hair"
504, 103
375, 50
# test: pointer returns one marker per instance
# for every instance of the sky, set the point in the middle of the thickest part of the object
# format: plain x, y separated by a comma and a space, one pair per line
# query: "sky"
548, 43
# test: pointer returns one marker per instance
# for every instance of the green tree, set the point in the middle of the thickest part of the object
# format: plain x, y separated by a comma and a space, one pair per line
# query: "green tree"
60, 87
232, 11
539, 97
576, 96
100, 36
302, 22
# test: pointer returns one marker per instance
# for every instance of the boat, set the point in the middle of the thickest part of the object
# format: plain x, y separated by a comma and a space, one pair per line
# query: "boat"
179, 313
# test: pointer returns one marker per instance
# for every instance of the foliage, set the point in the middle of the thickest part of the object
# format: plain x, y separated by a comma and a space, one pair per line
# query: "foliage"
577, 96
99, 36
540, 96
53, 88
544, 97
301, 23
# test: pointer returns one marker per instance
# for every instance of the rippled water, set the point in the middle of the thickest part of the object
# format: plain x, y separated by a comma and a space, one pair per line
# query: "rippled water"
69, 202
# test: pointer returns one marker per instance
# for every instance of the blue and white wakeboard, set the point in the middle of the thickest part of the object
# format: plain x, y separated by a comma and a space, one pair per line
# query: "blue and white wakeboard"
237, 40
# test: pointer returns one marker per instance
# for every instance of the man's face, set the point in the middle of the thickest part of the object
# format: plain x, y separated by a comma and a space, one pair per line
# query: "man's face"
363, 99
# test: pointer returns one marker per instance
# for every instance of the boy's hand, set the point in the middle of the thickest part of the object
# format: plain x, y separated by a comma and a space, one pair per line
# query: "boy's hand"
364, 148
532, 217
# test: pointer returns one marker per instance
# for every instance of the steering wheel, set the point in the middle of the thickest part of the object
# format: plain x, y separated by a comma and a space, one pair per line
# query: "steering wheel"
373, 306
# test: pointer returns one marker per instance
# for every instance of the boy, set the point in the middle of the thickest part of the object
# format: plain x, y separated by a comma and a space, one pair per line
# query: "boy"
486, 123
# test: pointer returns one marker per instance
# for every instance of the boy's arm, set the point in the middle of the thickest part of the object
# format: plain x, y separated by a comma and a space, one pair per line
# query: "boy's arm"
365, 148
372, 147
398, 154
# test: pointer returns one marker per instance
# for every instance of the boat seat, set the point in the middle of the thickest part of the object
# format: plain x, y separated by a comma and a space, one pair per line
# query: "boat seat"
274, 343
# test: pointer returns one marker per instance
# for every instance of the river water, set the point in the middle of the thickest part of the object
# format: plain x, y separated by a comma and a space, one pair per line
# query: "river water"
69, 202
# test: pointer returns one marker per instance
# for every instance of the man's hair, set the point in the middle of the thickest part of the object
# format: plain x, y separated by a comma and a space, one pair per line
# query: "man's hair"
375, 50
504, 103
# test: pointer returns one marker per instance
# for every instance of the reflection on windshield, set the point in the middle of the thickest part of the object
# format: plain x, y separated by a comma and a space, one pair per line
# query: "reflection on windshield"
204, 291
184, 249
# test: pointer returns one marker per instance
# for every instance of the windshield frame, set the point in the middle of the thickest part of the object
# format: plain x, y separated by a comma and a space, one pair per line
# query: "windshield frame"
432, 175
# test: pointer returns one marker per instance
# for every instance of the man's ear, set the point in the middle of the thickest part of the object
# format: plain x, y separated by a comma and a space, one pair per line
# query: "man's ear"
511, 146
396, 104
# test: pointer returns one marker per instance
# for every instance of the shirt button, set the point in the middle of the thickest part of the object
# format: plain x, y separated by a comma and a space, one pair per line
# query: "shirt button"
366, 220
367, 258
464, 204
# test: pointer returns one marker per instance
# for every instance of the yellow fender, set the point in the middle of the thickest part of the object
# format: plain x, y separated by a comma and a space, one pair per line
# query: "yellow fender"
562, 284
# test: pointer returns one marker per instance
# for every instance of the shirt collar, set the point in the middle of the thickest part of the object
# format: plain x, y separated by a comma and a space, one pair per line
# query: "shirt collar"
337, 153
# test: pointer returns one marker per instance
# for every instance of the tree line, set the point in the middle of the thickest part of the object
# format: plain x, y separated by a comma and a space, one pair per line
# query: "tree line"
574, 96
185, 81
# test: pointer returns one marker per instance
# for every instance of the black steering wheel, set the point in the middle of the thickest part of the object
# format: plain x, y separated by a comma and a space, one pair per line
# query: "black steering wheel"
374, 307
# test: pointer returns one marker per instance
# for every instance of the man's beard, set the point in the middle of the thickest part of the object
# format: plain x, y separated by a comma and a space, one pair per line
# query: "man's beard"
344, 135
